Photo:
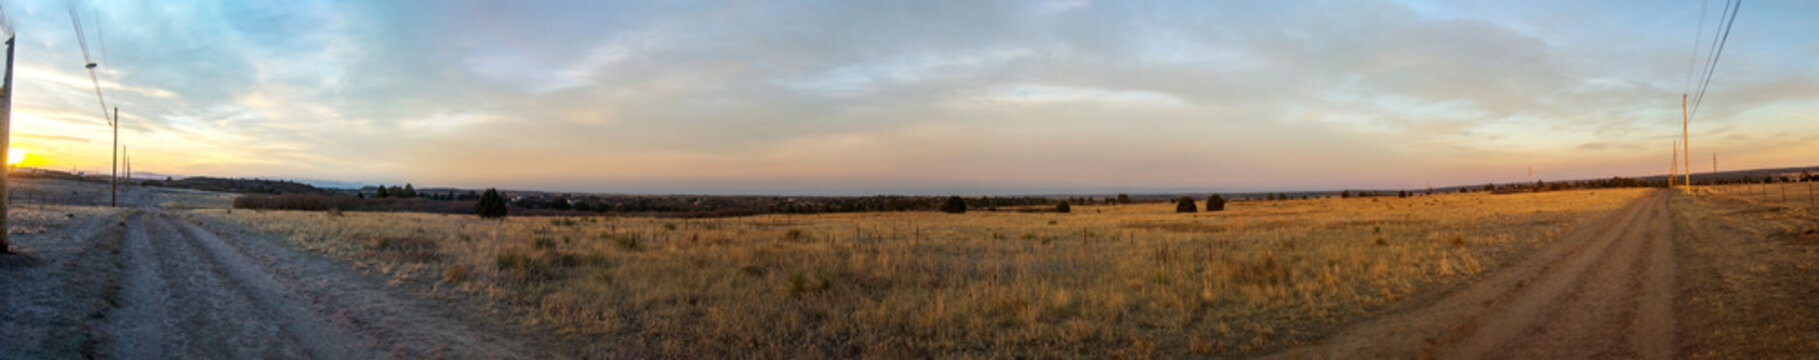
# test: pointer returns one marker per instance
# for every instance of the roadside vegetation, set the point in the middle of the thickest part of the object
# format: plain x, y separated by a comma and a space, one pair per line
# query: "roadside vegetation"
1750, 258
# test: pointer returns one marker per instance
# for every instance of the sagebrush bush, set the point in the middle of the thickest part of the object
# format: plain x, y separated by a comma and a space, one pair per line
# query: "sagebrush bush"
954, 205
1215, 203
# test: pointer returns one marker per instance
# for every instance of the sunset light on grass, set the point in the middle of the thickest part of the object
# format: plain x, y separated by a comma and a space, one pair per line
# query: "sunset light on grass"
909, 179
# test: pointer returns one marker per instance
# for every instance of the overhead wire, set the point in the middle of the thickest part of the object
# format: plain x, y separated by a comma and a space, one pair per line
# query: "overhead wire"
6, 22
101, 39
82, 40
1692, 66
1711, 66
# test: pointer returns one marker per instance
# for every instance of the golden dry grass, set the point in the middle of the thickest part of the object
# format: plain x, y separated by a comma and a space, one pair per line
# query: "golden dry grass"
1131, 280
1749, 258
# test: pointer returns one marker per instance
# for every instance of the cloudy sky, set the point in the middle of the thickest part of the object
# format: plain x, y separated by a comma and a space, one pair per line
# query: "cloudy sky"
861, 97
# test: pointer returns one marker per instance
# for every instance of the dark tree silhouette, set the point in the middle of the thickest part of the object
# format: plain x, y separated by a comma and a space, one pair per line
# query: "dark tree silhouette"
409, 192
491, 205
1345, 194
1063, 208
954, 205
1185, 205
1124, 198
382, 193
1215, 203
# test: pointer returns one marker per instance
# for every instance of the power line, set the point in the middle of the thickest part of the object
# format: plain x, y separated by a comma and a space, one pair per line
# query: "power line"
1719, 39
82, 40
1692, 66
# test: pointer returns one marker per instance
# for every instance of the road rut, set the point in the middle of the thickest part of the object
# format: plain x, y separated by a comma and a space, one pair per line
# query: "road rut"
189, 292
1602, 291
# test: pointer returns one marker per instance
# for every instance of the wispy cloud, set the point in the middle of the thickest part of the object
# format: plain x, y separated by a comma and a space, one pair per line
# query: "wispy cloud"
922, 96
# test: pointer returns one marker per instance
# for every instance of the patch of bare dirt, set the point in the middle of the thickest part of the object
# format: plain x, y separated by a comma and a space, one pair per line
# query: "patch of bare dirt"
1605, 290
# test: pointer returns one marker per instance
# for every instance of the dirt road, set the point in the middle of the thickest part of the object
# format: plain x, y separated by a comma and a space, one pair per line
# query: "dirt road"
188, 292
1602, 291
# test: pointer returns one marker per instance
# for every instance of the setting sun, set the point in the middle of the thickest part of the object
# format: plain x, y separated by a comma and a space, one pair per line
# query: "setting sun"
14, 156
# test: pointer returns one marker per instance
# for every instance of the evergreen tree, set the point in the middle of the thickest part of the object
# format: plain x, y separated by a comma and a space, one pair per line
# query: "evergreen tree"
490, 205
382, 193
1185, 205
408, 192
559, 203
1124, 198
954, 205
1345, 194
1215, 203
1402, 194
1063, 208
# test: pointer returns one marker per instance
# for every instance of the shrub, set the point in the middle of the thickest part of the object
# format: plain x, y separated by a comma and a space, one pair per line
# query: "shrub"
1124, 198
1215, 203
954, 205
1063, 208
1185, 205
1345, 194
491, 204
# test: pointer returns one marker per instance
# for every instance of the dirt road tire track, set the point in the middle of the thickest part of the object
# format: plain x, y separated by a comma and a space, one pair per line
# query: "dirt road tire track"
189, 292
1601, 291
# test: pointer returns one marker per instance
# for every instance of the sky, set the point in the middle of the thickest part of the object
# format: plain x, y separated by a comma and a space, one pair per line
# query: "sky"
913, 97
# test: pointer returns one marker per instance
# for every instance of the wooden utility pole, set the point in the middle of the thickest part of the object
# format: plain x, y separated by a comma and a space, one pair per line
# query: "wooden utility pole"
6, 114
1673, 164
1686, 141
113, 191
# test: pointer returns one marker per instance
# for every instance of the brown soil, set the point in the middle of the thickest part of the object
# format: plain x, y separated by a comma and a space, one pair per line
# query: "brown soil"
1603, 291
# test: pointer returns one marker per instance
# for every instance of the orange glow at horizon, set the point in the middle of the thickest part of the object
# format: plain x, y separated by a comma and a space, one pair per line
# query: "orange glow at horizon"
14, 156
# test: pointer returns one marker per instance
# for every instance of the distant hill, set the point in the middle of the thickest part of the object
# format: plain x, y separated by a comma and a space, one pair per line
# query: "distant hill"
260, 186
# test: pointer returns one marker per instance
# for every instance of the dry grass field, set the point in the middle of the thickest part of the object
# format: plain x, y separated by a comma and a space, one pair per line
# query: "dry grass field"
1752, 253
1128, 280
